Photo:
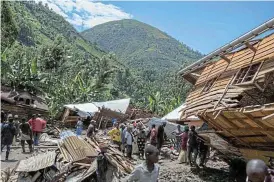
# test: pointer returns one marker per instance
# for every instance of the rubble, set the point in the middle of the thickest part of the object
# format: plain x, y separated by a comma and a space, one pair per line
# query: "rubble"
73, 160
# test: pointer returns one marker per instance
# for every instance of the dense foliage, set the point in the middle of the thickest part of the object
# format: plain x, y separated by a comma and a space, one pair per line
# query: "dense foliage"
44, 54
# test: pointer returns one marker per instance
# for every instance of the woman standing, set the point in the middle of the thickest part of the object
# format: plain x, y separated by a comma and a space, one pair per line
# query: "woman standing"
79, 127
183, 154
141, 140
135, 135
178, 135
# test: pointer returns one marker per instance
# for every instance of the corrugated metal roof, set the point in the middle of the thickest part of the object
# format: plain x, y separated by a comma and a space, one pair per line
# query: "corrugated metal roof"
36, 163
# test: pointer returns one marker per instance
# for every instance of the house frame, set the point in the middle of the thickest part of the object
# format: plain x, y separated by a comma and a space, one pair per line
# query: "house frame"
234, 95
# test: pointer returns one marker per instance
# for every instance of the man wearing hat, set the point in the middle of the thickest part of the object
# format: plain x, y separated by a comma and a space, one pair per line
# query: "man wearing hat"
7, 134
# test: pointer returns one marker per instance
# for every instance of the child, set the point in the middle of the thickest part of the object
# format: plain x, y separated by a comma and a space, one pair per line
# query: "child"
79, 127
102, 164
149, 170
257, 171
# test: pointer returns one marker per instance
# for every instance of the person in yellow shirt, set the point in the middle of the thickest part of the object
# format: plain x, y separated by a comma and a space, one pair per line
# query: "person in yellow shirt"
115, 135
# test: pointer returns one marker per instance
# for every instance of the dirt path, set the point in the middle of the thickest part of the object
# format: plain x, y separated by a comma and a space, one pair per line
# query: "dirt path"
172, 171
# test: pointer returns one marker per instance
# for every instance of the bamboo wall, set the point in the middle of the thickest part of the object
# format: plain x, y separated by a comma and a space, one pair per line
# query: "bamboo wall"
22, 111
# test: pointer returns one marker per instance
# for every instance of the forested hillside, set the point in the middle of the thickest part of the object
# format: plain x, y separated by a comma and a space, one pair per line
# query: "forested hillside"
42, 53
151, 55
141, 45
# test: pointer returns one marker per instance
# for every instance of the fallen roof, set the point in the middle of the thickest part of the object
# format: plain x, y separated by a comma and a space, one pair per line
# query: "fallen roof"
37, 162
176, 114
114, 105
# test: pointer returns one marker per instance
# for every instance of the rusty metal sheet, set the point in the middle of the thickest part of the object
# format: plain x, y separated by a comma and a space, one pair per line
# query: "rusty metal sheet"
37, 162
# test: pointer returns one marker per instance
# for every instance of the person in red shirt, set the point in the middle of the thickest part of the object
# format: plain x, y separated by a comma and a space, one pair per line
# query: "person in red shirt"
37, 126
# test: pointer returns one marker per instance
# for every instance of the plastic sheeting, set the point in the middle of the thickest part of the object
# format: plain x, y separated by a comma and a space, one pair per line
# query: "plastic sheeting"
93, 107
176, 114
169, 128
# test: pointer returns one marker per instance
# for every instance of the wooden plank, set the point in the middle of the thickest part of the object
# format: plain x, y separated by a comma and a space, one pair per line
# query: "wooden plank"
228, 121
248, 136
240, 140
250, 46
268, 117
256, 121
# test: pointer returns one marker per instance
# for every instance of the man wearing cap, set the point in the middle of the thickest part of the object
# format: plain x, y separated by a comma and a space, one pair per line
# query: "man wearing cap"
37, 126
7, 134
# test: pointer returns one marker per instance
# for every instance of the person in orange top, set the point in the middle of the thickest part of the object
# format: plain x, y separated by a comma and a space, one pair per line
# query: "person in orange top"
37, 126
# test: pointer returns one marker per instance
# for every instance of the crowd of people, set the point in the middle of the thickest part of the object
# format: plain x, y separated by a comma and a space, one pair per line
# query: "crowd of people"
132, 138
190, 144
14, 129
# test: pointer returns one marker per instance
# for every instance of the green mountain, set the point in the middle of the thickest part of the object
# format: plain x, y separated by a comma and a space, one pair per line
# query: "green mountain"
141, 46
42, 52
153, 58
38, 25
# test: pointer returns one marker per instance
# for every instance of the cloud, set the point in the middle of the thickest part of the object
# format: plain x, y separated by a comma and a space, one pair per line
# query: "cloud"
85, 14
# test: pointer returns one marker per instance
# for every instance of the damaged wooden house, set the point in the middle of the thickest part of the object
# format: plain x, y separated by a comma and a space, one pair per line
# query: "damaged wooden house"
22, 103
233, 92
102, 112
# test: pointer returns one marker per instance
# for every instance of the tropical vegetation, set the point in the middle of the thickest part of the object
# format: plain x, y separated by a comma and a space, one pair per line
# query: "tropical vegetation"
44, 54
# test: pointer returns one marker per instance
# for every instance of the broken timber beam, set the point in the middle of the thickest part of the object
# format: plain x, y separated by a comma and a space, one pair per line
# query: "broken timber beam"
226, 59
250, 46
268, 117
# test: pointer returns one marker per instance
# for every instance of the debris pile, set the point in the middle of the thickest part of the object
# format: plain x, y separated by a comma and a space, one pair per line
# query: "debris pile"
73, 160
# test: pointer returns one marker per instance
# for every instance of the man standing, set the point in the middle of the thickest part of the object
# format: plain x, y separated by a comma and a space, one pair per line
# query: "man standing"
153, 135
37, 126
7, 134
16, 125
192, 145
26, 135
129, 141
161, 136
123, 130
91, 129
202, 150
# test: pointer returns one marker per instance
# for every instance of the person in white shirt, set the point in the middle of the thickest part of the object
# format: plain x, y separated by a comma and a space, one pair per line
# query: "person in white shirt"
129, 141
149, 170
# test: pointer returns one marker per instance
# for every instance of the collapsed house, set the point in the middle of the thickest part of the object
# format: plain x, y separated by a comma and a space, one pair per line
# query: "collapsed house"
102, 112
73, 160
234, 94
22, 103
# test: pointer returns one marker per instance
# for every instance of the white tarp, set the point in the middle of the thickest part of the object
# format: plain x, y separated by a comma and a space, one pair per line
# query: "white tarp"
115, 105
169, 128
91, 108
176, 114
